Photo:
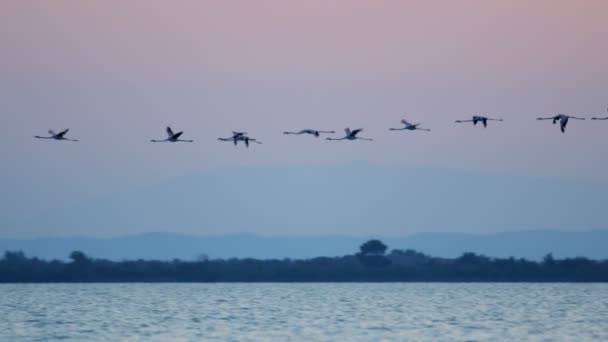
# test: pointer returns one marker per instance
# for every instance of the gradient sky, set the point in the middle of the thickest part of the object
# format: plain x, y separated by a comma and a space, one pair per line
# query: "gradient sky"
116, 73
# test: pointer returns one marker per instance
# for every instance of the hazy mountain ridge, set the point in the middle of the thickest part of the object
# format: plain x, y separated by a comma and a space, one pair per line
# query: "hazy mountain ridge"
165, 246
355, 199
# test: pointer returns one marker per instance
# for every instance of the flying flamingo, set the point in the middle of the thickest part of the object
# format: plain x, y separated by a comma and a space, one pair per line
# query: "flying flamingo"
409, 127
240, 136
481, 119
310, 131
605, 118
172, 137
563, 120
234, 138
351, 135
57, 136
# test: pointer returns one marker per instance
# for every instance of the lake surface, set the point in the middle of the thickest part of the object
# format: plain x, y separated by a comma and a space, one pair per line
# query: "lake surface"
313, 312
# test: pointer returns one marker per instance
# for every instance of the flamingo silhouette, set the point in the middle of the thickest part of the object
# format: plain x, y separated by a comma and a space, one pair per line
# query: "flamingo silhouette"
563, 120
309, 131
240, 136
56, 136
351, 135
172, 137
409, 127
484, 120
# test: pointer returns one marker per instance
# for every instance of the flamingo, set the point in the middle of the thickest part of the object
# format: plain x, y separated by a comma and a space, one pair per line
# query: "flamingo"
409, 127
57, 136
310, 131
563, 120
351, 135
234, 138
481, 119
605, 118
172, 137
240, 136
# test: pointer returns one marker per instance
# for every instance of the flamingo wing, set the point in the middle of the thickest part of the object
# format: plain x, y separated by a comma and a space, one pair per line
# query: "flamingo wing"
61, 134
170, 132
562, 123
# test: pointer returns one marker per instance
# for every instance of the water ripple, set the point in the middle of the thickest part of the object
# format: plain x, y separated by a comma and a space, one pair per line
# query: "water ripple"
313, 312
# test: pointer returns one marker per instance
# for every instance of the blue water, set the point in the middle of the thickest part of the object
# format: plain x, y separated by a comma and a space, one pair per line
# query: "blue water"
312, 312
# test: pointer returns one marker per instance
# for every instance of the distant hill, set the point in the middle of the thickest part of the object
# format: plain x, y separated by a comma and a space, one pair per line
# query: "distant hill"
165, 246
353, 199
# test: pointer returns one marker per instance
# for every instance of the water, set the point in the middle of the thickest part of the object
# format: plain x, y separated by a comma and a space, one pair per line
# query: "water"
312, 312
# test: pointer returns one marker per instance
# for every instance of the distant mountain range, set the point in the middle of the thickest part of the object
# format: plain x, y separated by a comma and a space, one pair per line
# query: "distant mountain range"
166, 246
353, 199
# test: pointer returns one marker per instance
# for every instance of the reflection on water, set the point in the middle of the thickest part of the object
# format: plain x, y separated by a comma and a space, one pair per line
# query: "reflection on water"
365, 312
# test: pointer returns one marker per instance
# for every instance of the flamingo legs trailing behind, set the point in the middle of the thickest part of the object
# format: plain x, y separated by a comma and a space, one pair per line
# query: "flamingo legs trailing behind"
563, 120
351, 135
56, 136
484, 120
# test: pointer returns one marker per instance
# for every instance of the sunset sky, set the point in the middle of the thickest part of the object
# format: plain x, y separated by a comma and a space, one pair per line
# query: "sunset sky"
117, 72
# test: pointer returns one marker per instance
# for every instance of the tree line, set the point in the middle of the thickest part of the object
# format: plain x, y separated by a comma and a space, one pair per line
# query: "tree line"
371, 263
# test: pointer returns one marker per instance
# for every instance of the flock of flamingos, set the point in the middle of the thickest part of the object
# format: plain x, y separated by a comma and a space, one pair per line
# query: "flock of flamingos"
350, 134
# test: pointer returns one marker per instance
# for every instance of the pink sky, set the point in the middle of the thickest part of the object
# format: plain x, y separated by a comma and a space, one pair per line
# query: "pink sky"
424, 40
117, 72
266, 66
